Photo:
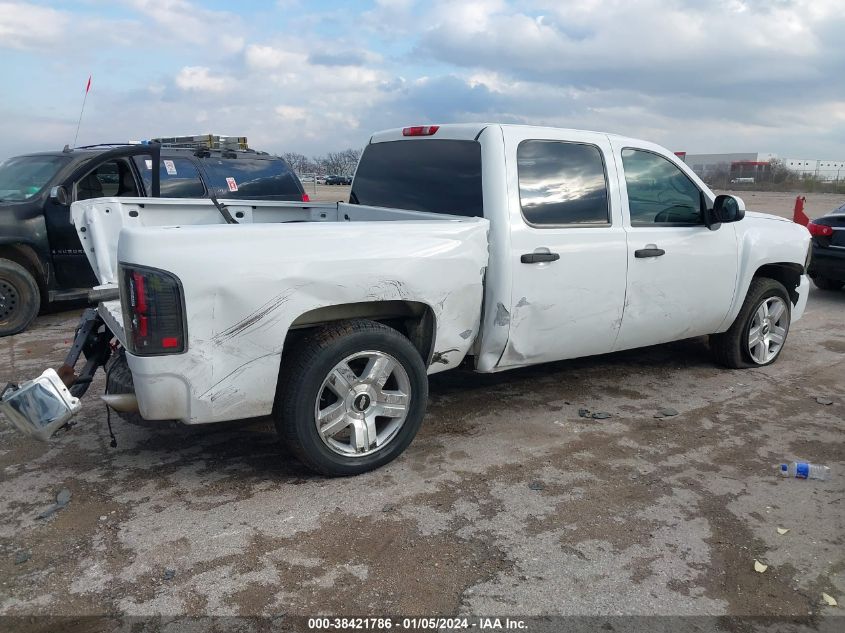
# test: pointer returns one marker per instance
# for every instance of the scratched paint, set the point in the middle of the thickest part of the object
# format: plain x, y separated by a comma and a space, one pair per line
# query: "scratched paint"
240, 306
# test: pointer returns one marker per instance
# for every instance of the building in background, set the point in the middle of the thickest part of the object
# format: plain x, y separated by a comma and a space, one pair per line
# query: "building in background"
756, 166
821, 169
743, 165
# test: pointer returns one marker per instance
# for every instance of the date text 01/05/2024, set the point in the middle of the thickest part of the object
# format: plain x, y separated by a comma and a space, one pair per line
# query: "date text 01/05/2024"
415, 624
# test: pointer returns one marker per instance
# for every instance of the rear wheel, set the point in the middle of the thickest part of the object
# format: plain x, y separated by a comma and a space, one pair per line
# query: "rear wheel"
19, 298
825, 283
351, 397
759, 331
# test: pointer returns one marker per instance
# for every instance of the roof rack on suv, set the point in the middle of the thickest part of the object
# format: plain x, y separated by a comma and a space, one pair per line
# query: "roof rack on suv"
204, 141
96, 145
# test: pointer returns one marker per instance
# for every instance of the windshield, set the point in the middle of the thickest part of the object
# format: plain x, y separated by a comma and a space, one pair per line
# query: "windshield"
25, 176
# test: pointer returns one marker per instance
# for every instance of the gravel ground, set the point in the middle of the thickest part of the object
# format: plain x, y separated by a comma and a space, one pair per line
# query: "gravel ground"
508, 502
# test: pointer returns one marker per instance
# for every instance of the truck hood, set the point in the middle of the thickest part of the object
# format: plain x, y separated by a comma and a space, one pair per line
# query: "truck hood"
765, 216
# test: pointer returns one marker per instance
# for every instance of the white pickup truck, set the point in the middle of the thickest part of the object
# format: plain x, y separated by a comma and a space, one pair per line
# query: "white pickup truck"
492, 246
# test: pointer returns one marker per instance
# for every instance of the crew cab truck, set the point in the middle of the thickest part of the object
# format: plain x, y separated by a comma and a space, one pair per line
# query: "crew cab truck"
492, 246
41, 258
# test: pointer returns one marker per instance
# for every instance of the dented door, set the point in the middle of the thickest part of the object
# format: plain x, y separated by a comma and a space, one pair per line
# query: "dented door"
568, 252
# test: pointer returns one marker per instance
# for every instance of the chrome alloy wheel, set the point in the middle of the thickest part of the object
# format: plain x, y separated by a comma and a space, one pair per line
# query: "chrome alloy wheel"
768, 330
362, 403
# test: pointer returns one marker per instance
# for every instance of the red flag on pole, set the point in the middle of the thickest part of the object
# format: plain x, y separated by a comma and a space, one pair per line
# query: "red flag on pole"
88, 87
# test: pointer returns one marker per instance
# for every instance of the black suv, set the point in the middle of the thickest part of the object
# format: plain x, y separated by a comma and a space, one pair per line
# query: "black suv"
41, 258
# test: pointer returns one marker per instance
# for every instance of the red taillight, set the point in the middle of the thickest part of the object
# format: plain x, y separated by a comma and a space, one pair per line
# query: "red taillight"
420, 130
153, 313
140, 293
305, 198
819, 230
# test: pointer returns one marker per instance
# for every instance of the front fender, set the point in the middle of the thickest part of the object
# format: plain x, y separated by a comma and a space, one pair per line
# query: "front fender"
766, 241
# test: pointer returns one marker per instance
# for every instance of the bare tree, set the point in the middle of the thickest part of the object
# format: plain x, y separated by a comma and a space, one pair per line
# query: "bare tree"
340, 163
780, 173
298, 162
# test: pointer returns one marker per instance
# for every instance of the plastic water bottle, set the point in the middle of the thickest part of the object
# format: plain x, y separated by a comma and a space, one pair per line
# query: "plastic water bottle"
804, 470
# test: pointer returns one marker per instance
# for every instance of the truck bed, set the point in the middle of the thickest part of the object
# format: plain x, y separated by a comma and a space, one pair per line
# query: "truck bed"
285, 266
99, 221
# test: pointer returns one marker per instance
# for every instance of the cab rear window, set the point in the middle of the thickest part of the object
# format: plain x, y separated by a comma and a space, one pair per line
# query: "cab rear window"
250, 178
438, 176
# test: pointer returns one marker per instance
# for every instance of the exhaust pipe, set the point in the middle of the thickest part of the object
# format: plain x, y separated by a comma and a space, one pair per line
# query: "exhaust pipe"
121, 402
96, 295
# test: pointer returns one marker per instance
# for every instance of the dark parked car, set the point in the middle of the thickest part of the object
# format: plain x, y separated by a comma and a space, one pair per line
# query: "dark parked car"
338, 180
41, 258
827, 267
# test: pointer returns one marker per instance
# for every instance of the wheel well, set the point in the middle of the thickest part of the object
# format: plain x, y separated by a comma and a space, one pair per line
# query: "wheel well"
26, 256
414, 320
787, 273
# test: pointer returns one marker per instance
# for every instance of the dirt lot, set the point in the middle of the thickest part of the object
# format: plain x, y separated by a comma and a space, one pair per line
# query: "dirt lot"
508, 502
782, 204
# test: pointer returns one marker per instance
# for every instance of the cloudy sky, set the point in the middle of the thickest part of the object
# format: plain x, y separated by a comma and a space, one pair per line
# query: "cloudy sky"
319, 75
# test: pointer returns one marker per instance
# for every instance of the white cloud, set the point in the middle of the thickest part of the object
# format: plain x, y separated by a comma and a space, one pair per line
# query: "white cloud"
29, 26
701, 75
191, 23
199, 78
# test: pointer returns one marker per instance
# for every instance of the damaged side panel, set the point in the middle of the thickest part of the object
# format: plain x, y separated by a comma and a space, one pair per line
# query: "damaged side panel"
241, 301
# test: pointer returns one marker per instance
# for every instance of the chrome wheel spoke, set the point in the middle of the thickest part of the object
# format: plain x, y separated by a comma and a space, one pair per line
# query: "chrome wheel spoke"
762, 312
392, 404
378, 370
341, 379
777, 335
332, 419
754, 336
364, 435
776, 311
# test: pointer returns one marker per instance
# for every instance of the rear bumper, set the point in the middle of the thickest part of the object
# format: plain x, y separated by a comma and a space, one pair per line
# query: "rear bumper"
828, 262
191, 389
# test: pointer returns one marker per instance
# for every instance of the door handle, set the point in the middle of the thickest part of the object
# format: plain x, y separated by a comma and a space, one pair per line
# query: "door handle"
649, 252
536, 258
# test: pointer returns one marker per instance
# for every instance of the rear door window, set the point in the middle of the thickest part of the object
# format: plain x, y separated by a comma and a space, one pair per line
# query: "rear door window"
438, 176
562, 183
251, 178
179, 177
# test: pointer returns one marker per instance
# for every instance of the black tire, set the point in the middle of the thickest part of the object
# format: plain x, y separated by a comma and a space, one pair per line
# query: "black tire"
825, 283
730, 348
20, 298
305, 368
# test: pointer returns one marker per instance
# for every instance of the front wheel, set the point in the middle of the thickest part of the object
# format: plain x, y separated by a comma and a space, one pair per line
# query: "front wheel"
759, 331
20, 298
351, 397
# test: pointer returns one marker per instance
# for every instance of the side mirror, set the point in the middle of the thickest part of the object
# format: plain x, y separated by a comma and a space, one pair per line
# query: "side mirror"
726, 208
59, 196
